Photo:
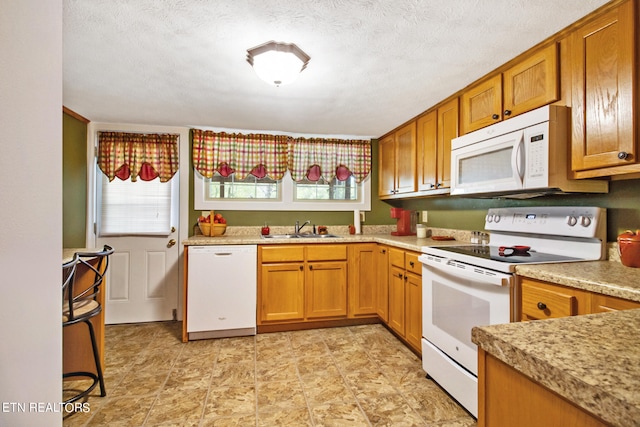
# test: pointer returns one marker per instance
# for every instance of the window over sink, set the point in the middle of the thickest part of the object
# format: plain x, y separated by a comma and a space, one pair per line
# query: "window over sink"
252, 193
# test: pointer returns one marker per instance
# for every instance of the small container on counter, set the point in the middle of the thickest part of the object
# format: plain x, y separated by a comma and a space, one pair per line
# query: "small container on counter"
629, 248
265, 230
421, 231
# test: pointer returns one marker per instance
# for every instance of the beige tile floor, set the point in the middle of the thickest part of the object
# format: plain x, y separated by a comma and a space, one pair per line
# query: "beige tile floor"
351, 376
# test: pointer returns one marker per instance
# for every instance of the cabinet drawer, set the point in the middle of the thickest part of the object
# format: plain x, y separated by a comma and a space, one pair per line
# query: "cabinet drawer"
283, 253
540, 303
604, 303
412, 263
396, 257
322, 252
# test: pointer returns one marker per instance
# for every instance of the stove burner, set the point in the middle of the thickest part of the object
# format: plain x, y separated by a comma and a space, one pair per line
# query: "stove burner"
494, 253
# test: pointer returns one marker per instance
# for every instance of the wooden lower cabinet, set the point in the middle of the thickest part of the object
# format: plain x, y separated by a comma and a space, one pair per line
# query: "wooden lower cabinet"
509, 398
544, 300
281, 292
604, 303
363, 280
382, 282
397, 299
326, 289
541, 300
317, 284
413, 310
405, 296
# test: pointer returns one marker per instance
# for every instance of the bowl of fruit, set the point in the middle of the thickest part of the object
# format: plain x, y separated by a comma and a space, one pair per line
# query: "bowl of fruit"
213, 224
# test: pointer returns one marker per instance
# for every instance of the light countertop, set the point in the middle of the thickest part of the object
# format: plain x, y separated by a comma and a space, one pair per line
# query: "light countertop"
591, 360
603, 277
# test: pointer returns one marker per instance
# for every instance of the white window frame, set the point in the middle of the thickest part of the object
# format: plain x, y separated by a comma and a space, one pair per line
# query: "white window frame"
286, 202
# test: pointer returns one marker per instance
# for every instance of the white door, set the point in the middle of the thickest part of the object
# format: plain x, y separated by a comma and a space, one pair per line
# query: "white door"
143, 278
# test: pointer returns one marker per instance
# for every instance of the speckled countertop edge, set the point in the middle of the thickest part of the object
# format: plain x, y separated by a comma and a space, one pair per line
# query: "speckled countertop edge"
603, 277
371, 234
577, 357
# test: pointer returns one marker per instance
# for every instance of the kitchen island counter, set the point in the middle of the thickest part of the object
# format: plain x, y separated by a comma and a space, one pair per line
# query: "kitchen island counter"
593, 361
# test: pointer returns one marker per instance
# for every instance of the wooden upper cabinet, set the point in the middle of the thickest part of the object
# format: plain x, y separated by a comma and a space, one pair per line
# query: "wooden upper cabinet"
481, 105
435, 131
387, 166
448, 127
406, 159
602, 63
397, 163
529, 84
427, 143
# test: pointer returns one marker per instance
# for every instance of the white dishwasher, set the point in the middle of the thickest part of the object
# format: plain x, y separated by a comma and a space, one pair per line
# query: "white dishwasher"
221, 291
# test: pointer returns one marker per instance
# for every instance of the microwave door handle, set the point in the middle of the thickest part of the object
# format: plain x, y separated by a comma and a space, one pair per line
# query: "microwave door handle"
517, 164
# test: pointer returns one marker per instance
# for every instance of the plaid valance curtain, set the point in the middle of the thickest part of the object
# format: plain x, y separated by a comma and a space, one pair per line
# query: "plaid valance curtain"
316, 157
134, 155
227, 153
271, 155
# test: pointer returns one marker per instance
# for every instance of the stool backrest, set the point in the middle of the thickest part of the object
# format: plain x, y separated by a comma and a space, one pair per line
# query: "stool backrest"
84, 285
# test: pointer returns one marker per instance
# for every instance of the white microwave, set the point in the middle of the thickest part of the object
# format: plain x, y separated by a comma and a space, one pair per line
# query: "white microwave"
525, 156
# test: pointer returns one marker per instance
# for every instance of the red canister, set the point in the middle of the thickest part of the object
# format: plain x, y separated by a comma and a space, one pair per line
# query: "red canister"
629, 248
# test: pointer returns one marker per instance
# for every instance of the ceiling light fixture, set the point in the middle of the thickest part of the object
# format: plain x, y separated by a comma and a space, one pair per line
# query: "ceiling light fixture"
277, 63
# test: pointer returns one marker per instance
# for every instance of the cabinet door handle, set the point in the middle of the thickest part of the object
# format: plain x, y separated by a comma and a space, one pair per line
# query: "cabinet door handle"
412, 264
495, 117
623, 155
542, 306
311, 267
383, 251
507, 112
301, 268
400, 275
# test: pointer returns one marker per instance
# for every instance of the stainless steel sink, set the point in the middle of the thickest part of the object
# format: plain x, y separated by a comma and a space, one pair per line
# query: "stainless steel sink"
299, 236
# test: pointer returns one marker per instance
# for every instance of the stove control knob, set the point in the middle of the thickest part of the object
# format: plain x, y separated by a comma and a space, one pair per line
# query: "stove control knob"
572, 220
489, 218
496, 218
585, 221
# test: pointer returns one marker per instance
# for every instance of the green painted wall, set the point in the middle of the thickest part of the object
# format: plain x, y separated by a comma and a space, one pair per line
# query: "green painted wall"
74, 182
622, 203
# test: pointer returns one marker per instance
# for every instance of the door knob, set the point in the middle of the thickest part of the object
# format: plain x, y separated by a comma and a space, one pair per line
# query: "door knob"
171, 243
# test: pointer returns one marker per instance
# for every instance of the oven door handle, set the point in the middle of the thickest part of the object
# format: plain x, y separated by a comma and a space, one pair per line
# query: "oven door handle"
478, 274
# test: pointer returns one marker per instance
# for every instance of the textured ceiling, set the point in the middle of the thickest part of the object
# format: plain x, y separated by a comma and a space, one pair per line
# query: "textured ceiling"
374, 63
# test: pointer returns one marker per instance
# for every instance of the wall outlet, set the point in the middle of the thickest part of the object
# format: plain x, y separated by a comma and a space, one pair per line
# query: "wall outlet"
425, 216
362, 217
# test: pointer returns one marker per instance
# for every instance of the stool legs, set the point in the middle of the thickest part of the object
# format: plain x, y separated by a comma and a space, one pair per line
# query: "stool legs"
97, 379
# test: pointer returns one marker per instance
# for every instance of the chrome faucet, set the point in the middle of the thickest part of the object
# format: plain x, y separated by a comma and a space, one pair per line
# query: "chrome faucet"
299, 227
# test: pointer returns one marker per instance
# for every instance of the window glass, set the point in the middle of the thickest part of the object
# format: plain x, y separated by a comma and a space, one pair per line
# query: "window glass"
220, 187
325, 190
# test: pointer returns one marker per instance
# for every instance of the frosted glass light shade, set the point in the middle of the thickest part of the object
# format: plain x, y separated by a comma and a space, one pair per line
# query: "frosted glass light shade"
277, 63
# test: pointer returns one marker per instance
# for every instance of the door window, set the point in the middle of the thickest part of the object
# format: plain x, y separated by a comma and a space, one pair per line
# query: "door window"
134, 208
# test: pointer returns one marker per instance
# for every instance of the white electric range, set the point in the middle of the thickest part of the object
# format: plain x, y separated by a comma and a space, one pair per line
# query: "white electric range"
473, 285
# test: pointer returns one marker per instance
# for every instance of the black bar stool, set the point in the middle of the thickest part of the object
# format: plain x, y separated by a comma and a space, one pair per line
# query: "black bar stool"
80, 306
